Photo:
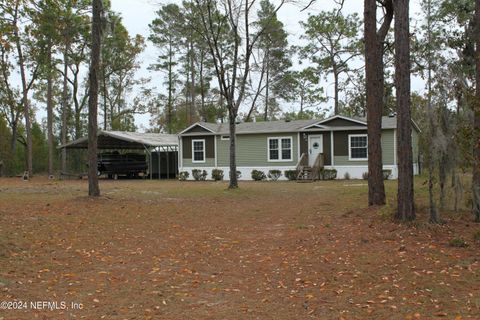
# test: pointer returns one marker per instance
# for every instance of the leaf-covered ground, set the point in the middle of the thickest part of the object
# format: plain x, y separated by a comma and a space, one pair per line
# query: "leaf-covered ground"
186, 250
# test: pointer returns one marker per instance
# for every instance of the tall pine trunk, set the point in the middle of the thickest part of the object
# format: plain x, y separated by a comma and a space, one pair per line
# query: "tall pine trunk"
233, 159
25, 102
170, 88
434, 218
50, 112
93, 188
267, 84
374, 70
476, 123
64, 107
193, 109
405, 199
105, 102
336, 109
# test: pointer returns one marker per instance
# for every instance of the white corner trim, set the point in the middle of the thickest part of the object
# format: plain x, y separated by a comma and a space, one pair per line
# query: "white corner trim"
350, 147
193, 126
193, 151
344, 118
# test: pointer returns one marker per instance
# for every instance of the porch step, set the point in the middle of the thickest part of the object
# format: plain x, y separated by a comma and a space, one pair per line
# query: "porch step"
305, 175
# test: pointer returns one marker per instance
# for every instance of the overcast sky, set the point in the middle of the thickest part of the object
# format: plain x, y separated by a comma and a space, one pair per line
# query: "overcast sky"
137, 14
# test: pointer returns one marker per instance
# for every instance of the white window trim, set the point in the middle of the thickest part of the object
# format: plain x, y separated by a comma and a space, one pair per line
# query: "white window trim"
280, 159
350, 147
193, 151
225, 137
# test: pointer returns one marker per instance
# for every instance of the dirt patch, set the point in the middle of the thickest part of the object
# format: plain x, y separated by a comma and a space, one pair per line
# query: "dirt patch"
173, 250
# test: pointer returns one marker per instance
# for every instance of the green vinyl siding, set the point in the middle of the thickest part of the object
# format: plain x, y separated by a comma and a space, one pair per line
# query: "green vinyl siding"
252, 150
388, 147
343, 161
209, 162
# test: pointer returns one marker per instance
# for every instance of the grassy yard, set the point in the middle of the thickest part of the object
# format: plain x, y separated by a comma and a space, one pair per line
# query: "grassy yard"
186, 250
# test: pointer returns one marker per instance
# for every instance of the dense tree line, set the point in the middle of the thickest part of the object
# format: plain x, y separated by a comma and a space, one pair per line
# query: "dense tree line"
45, 48
228, 61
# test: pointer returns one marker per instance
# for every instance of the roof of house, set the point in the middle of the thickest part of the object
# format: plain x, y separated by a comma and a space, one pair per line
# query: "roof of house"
286, 126
257, 127
125, 140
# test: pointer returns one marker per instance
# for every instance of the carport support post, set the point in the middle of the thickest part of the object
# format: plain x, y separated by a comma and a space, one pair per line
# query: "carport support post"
175, 157
149, 155
168, 164
159, 163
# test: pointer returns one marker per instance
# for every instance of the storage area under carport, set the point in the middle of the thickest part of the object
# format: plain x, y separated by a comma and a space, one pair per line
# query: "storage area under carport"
160, 150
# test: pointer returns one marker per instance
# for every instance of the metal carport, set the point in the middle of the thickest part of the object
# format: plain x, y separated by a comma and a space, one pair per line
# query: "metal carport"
149, 142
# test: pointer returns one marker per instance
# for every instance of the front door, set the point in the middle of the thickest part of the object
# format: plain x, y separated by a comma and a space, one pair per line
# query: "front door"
315, 146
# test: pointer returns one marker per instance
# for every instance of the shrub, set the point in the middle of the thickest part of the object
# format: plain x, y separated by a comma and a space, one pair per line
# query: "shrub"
365, 176
458, 243
290, 174
346, 176
328, 174
217, 174
476, 236
183, 175
239, 174
387, 173
199, 175
258, 175
274, 175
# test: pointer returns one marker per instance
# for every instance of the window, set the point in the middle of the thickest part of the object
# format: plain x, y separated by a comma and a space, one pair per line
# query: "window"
198, 150
225, 137
280, 149
357, 147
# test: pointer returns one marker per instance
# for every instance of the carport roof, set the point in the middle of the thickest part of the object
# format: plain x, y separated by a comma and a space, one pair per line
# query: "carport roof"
125, 140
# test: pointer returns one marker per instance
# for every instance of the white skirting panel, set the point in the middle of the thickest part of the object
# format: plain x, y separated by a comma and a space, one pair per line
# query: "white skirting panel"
355, 172
246, 171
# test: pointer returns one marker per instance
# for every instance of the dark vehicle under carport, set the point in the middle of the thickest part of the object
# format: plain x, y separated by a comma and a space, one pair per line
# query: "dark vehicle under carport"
133, 154
130, 165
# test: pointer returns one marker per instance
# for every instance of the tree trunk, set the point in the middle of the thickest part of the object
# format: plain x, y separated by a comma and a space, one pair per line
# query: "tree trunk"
77, 116
335, 75
65, 107
431, 126
105, 99
406, 208
442, 177
50, 113
476, 122
267, 84
202, 88
374, 97
233, 160
192, 85
13, 142
258, 92
25, 103
93, 188
170, 90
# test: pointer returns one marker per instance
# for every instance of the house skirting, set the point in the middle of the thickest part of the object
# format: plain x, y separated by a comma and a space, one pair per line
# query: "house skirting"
355, 172
246, 172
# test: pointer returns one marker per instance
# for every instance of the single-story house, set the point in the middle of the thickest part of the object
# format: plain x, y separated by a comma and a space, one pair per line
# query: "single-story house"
341, 141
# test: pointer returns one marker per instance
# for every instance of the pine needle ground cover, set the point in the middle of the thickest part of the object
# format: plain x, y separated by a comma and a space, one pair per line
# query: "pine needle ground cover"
194, 250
